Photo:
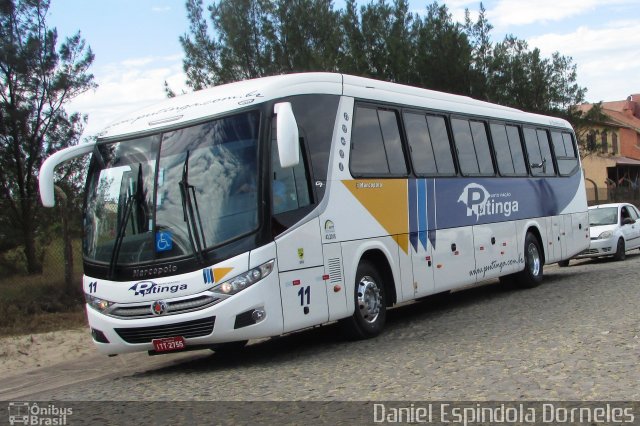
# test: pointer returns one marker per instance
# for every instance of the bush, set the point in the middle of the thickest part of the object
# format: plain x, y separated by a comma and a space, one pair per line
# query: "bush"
29, 302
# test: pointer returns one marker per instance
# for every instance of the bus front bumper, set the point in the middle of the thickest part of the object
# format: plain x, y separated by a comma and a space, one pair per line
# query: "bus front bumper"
255, 312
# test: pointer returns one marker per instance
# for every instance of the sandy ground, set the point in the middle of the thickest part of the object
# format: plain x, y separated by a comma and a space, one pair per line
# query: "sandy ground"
19, 354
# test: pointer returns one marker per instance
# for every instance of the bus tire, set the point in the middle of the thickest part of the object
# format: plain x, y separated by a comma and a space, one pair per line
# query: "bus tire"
531, 276
370, 302
621, 253
563, 263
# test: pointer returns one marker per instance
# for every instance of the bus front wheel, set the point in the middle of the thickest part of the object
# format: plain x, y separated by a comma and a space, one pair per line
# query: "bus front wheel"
370, 301
531, 276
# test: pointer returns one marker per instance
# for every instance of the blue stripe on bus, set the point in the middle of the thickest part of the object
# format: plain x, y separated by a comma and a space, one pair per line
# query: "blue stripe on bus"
422, 212
413, 220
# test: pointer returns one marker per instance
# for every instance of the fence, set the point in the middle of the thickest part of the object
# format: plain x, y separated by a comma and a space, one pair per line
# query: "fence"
57, 289
602, 195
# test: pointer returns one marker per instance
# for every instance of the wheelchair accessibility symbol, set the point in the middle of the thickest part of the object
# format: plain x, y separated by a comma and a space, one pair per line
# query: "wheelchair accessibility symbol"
164, 241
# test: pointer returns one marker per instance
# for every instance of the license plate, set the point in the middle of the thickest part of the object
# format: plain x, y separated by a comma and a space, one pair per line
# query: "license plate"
169, 344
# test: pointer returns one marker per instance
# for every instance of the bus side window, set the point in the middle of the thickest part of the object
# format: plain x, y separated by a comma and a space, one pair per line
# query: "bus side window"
565, 153
539, 152
508, 148
473, 147
376, 148
429, 144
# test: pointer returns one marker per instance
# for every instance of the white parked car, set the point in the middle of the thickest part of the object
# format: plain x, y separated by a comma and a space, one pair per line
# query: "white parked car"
614, 229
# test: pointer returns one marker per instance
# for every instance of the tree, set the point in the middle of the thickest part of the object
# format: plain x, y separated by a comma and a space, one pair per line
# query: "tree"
588, 124
523, 79
444, 53
38, 77
479, 37
256, 38
379, 39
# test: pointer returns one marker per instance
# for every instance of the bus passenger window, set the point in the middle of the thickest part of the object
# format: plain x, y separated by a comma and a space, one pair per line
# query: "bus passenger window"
376, 146
429, 144
515, 143
545, 150
540, 160
506, 141
473, 148
565, 153
480, 141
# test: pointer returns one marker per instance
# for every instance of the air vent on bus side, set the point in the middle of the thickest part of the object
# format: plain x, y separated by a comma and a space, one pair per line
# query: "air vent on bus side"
335, 270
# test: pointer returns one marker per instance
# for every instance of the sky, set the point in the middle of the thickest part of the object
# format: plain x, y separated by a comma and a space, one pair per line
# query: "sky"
136, 44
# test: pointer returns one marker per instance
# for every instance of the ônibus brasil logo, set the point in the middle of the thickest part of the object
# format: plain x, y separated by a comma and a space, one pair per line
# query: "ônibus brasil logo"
480, 202
144, 288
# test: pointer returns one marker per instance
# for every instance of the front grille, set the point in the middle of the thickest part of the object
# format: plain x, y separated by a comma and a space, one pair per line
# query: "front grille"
189, 329
173, 307
590, 251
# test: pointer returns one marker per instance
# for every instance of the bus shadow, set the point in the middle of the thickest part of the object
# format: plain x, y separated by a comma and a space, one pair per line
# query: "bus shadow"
329, 338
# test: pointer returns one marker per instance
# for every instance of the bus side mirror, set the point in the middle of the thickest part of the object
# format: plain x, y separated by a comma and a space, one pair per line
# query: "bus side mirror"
287, 135
45, 178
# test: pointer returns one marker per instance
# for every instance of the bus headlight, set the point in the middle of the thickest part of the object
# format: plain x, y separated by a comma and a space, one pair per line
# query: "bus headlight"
605, 235
242, 281
99, 305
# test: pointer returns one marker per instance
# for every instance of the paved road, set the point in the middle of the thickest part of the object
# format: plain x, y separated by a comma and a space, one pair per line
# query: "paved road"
575, 337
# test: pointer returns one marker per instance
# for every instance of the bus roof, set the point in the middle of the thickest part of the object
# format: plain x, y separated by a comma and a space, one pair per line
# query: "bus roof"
191, 107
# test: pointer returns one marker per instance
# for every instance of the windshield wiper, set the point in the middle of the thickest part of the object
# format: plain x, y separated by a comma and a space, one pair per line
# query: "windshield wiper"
189, 200
117, 244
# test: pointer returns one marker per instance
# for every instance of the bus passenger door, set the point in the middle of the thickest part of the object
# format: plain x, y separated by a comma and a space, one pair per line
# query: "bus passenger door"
302, 288
298, 246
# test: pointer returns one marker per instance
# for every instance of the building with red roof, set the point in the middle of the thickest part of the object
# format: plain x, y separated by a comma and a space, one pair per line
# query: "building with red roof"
612, 170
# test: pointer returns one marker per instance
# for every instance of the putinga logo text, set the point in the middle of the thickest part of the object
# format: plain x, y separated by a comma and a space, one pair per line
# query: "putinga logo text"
144, 288
480, 202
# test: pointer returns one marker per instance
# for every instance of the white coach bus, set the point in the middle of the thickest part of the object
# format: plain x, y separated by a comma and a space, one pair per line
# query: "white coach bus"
266, 206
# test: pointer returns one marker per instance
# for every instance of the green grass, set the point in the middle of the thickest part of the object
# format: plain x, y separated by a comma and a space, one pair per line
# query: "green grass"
41, 303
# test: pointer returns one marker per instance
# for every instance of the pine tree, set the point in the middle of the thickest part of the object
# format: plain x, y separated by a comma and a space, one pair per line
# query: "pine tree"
38, 76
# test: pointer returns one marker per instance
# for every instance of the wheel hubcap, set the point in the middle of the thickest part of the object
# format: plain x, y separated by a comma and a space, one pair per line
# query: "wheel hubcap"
534, 259
369, 299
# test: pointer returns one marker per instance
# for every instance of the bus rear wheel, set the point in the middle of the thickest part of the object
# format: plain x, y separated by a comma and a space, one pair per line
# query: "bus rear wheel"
370, 301
531, 276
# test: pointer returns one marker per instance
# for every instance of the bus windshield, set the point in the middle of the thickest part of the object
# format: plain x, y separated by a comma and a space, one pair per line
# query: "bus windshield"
173, 194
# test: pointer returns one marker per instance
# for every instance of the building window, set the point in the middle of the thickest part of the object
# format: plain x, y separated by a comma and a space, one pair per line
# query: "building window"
603, 142
614, 143
591, 140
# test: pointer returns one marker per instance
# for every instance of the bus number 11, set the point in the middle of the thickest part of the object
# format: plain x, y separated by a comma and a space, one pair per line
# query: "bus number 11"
305, 291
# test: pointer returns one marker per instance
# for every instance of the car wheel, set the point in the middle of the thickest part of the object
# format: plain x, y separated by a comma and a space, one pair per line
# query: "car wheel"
531, 276
620, 251
370, 302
